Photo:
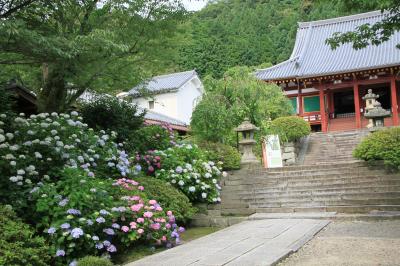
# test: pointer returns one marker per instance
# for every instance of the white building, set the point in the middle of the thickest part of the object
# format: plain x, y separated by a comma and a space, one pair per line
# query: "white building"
174, 95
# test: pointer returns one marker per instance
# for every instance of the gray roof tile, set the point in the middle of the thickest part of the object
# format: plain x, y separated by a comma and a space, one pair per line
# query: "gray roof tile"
312, 57
164, 83
151, 115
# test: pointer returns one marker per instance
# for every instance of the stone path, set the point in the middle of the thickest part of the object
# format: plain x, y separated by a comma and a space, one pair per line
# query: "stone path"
261, 242
351, 243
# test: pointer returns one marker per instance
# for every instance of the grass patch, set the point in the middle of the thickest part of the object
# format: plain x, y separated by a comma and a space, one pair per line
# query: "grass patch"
141, 251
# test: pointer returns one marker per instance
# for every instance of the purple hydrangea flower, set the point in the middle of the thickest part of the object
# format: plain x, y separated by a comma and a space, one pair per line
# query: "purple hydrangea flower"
109, 231
181, 229
174, 234
73, 263
74, 211
51, 230
100, 220
179, 170
99, 246
104, 212
63, 202
116, 226
138, 168
60, 252
65, 226
111, 248
95, 238
76, 232
89, 222
106, 243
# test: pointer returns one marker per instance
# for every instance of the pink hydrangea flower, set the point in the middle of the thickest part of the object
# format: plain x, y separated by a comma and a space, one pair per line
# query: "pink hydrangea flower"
168, 226
135, 198
155, 226
169, 213
148, 214
152, 202
140, 231
133, 225
125, 228
164, 238
151, 208
158, 208
140, 220
141, 188
136, 207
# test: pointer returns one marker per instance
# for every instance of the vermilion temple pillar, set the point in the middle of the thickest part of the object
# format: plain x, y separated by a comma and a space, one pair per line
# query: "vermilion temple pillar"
395, 111
324, 125
357, 104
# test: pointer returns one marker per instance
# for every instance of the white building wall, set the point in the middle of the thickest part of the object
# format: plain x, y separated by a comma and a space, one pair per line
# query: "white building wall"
163, 103
179, 104
188, 97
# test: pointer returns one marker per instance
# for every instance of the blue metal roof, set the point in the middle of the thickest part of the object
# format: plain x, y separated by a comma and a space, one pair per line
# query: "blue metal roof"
312, 57
164, 83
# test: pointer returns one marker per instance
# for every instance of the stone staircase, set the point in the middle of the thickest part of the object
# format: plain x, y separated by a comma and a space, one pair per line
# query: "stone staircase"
326, 148
329, 181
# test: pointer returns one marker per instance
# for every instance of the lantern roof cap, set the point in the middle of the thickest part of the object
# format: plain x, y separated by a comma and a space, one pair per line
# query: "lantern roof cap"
246, 125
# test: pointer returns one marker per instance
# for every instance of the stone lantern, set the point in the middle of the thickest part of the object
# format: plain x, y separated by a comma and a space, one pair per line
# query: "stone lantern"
370, 100
377, 114
246, 144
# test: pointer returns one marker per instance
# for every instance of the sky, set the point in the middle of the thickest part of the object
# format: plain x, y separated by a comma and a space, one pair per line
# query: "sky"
194, 5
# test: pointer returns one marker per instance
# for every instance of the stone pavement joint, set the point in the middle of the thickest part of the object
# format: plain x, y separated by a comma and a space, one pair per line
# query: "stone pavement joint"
252, 243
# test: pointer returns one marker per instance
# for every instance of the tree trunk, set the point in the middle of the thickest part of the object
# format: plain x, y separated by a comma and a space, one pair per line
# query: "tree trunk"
53, 96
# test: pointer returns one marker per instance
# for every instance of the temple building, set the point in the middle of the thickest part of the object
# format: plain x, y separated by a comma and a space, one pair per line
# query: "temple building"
326, 86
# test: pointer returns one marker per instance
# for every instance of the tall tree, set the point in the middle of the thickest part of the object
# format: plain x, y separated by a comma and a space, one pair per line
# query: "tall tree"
99, 45
367, 34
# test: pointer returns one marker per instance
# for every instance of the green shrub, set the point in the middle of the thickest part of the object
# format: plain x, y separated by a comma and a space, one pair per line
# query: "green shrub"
169, 197
152, 137
111, 114
94, 261
382, 145
289, 128
220, 152
18, 245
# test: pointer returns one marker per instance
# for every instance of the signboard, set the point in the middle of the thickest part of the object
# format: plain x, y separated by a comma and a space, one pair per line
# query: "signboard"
272, 152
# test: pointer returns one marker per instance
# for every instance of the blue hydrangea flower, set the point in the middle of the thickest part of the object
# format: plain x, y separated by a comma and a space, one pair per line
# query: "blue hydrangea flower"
100, 220
109, 231
74, 211
116, 226
51, 230
104, 212
65, 226
89, 222
63, 202
106, 243
76, 232
111, 248
99, 246
95, 238
60, 252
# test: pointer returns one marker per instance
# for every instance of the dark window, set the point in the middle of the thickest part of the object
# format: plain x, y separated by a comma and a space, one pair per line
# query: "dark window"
151, 104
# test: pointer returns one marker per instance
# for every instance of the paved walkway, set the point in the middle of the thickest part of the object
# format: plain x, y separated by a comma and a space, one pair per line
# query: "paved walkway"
351, 243
261, 242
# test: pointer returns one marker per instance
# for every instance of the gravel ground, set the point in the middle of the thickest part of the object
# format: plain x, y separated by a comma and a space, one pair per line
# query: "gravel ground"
351, 243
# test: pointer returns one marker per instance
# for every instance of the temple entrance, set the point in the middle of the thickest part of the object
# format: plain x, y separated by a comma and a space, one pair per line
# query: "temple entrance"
344, 104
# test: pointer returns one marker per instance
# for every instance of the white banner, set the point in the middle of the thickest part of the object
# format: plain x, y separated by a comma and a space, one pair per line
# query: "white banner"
272, 151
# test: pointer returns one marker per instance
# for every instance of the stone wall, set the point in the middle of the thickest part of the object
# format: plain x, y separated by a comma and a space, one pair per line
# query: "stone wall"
290, 151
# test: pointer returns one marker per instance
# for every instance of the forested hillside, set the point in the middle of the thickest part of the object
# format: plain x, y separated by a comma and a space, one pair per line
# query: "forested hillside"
228, 33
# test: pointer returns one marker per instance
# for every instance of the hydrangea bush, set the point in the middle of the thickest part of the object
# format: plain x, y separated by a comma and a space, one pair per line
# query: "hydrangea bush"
81, 215
35, 149
185, 167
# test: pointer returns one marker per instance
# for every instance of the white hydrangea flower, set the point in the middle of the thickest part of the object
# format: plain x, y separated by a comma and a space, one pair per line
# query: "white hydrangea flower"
3, 115
14, 179
74, 113
14, 147
214, 181
192, 189
53, 132
224, 174
13, 163
9, 157
2, 138
56, 124
38, 155
181, 183
30, 132
19, 183
207, 175
173, 181
21, 172
204, 195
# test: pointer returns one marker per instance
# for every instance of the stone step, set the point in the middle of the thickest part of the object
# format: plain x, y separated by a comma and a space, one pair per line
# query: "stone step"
339, 209
244, 212
267, 182
343, 202
229, 205
324, 197
339, 188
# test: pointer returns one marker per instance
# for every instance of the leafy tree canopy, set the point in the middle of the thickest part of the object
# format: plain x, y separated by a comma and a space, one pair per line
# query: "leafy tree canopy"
65, 47
375, 34
232, 98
